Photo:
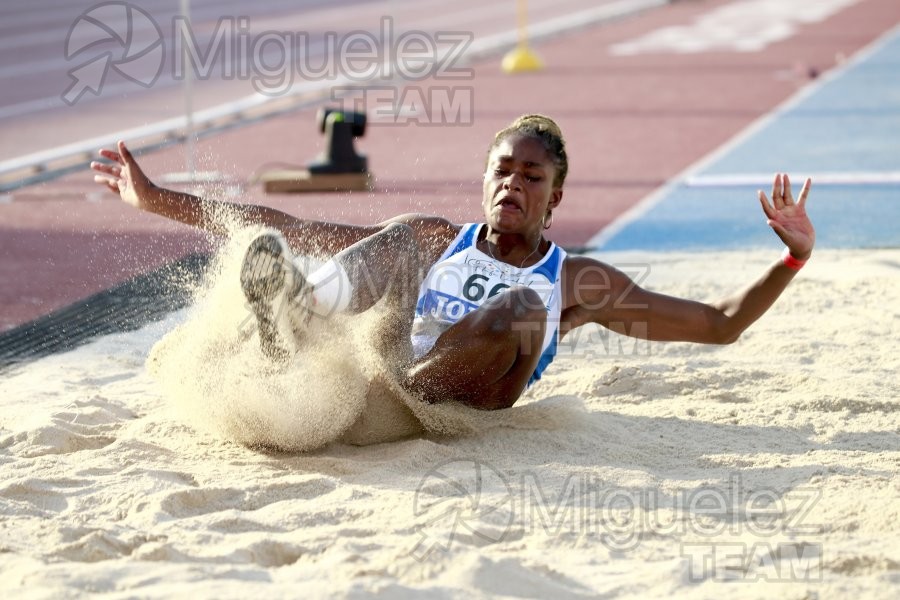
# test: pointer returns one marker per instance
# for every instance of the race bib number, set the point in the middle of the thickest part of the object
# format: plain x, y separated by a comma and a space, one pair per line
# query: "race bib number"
456, 290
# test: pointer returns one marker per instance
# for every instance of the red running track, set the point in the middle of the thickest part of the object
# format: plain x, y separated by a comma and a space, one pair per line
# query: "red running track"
631, 123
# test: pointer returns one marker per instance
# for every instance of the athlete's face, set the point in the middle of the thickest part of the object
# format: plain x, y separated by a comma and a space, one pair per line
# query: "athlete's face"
518, 185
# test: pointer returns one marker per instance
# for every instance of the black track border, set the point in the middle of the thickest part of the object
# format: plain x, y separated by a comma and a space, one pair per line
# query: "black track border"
125, 307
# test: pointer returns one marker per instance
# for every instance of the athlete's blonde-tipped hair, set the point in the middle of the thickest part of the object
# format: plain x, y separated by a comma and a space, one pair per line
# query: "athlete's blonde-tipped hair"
546, 130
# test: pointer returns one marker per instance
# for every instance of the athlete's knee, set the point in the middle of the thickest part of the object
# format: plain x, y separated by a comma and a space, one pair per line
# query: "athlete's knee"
401, 234
402, 248
517, 315
527, 300
521, 303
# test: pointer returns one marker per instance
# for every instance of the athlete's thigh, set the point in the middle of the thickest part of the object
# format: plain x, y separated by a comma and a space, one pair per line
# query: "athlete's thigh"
485, 359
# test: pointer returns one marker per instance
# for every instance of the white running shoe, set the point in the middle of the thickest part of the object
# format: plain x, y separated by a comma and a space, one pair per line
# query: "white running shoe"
276, 291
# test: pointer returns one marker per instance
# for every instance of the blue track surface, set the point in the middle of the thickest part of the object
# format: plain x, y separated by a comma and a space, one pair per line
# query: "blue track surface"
849, 125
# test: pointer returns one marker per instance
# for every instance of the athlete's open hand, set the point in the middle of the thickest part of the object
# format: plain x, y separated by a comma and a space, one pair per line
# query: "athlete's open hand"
124, 177
789, 218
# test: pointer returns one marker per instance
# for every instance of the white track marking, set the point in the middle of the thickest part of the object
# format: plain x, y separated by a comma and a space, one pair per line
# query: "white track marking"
747, 26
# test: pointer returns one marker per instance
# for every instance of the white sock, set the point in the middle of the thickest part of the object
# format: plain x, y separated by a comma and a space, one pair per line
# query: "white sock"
332, 289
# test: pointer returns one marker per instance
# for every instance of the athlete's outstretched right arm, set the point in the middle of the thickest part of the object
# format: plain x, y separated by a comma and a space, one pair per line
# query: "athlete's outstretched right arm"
126, 178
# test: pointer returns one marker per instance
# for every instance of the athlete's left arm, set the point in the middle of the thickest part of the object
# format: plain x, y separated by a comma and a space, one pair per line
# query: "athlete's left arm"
601, 294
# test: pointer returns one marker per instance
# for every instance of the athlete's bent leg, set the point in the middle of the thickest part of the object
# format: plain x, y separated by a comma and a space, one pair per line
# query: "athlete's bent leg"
485, 359
383, 267
384, 270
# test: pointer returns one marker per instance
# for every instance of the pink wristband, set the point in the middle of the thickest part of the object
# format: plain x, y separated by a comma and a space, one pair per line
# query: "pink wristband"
790, 262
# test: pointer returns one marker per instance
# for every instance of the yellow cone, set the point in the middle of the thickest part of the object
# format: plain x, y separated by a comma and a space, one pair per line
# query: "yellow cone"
521, 60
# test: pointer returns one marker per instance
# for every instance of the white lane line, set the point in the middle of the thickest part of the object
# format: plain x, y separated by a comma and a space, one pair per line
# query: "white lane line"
824, 178
32, 106
89, 147
746, 26
553, 27
644, 206
56, 31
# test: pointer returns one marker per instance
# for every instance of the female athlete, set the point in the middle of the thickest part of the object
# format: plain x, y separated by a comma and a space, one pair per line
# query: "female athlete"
473, 313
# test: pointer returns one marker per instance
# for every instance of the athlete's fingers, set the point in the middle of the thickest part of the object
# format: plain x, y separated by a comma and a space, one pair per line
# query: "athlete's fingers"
804, 192
110, 155
777, 199
767, 208
127, 158
112, 184
105, 179
788, 196
113, 170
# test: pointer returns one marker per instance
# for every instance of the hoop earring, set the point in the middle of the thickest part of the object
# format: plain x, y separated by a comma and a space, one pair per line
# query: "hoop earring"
544, 221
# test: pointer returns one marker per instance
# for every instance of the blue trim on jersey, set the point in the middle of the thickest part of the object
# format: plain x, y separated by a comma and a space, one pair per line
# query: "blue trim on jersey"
550, 267
467, 239
545, 360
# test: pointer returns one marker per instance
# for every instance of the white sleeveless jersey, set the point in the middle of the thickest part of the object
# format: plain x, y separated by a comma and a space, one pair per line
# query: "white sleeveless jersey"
465, 277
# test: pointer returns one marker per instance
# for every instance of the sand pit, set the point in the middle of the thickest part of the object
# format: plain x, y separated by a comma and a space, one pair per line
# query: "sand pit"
765, 469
